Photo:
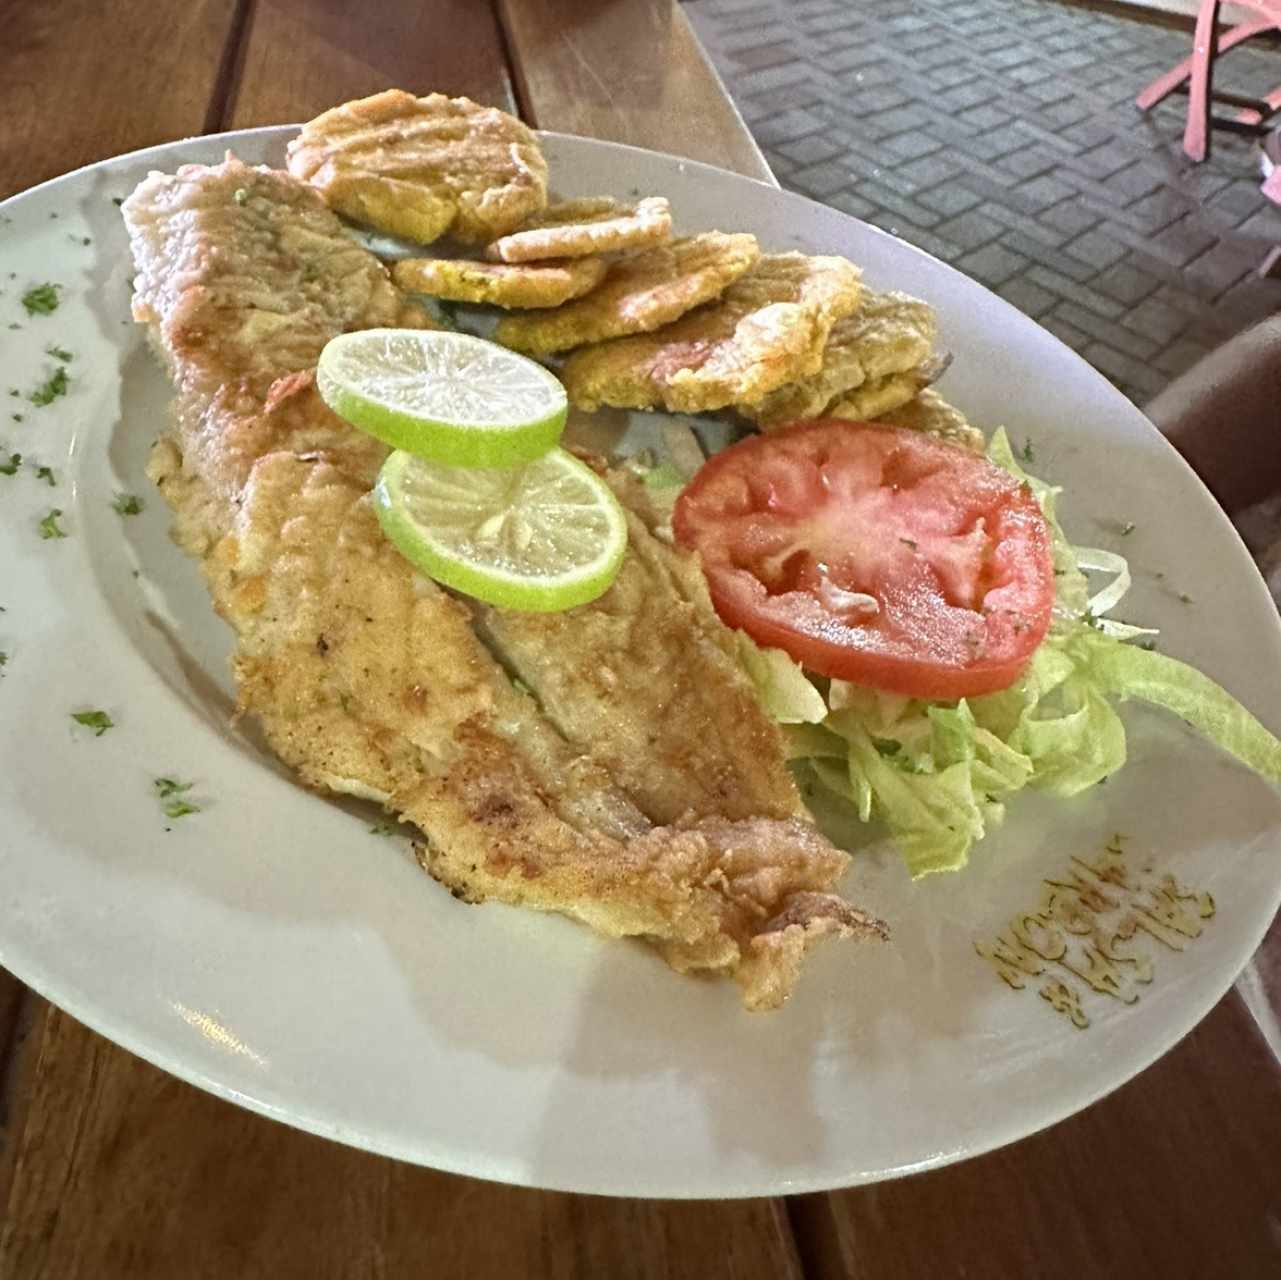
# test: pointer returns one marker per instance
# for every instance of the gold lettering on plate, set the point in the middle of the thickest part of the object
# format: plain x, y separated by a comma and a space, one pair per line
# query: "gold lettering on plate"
1087, 928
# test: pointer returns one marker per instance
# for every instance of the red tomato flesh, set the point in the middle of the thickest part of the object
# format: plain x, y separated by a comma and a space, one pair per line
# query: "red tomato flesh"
874, 554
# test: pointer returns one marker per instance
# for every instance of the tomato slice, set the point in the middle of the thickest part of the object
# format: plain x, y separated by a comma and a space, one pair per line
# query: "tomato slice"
874, 554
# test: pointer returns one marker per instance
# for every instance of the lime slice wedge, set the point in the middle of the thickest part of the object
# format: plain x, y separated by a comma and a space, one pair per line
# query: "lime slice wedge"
450, 397
538, 538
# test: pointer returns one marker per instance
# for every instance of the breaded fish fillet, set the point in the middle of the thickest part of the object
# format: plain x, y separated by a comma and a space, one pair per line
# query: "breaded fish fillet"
889, 335
421, 167
770, 328
371, 680
654, 692
595, 224
532, 284
639, 293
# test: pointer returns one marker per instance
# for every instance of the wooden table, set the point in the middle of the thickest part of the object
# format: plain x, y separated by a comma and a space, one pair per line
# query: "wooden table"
110, 1168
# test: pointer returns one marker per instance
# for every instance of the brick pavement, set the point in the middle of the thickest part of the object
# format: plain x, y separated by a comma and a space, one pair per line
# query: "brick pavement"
1001, 136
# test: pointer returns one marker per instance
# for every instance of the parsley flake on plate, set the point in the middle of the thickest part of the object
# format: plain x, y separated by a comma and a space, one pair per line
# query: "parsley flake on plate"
126, 504
98, 721
58, 353
10, 468
170, 791
41, 300
46, 474
49, 390
49, 527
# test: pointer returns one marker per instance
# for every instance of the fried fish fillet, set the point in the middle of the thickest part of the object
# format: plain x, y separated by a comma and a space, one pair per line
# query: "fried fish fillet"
421, 167
889, 335
930, 413
370, 680
625, 677
770, 328
533, 284
639, 293
576, 228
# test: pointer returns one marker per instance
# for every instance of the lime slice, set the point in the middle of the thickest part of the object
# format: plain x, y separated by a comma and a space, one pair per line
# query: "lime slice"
537, 538
450, 397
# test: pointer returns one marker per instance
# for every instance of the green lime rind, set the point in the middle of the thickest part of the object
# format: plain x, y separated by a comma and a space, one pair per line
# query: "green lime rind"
440, 439
459, 446
533, 594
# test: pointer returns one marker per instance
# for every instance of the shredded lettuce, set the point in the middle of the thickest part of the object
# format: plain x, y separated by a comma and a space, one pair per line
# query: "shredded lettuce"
939, 775
781, 685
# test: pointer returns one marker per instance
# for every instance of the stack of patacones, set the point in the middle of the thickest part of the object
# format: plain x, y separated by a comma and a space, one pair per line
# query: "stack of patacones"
690, 324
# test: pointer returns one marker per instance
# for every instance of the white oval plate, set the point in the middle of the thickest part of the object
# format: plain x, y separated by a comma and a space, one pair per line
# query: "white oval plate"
272, 950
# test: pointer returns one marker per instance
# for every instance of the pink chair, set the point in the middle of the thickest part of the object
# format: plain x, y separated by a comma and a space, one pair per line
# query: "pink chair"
1195, 75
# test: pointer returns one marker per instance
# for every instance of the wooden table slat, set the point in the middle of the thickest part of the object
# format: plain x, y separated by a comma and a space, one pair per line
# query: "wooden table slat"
631, 72
300, 57
82, 80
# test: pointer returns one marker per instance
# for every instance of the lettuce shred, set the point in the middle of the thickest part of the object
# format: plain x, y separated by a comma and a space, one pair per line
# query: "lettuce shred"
940, 774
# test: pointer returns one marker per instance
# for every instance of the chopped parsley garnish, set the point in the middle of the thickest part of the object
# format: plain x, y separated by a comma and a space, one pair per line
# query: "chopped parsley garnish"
1028, 453
117, 201
49, 390
17, 417
42, 300
98, 721
171, 791
10, 468
59, 353
382, 829
46, 474
1183, 595
49, 525
240, 195
4, 661
13, 391
126, 504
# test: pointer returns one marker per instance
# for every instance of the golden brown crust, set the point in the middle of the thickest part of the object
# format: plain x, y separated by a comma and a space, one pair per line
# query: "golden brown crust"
889, 335
532, 285
769, 328
647, 683
638, 294
421, 167
930, 413
575, 228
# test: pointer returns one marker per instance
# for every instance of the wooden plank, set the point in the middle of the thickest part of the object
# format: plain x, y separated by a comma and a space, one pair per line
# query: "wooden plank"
632, 72
301, 57
82, 80
1176, 1174
26, 1012
124, 1170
